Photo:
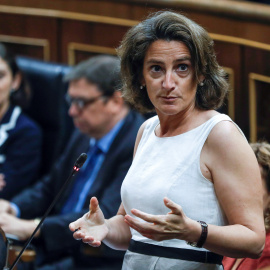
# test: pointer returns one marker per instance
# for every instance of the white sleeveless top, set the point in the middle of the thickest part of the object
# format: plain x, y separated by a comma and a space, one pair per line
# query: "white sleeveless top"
170, 167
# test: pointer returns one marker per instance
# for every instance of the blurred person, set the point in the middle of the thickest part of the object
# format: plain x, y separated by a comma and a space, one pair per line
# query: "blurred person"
3, 249
106, 130
20, 137
193, 192
262, 152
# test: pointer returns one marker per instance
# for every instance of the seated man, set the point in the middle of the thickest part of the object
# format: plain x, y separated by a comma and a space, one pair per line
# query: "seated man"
107, 129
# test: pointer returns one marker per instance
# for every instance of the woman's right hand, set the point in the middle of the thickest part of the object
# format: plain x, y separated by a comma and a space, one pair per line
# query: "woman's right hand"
91, 228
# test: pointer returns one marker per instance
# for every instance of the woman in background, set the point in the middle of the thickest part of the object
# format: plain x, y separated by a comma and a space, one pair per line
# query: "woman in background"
20, 137
262, 152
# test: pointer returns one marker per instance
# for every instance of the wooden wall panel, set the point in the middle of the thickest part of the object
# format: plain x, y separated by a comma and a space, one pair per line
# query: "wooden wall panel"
257, 71
68, 31
38, 35
88, 33
228, 56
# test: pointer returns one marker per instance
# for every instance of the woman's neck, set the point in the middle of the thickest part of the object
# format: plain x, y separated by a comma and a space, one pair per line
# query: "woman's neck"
171, 125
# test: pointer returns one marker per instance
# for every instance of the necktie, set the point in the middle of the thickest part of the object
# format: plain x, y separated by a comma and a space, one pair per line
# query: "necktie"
83, 176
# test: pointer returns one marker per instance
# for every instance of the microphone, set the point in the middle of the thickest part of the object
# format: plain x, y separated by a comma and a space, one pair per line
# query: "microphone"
80, 161
78, 164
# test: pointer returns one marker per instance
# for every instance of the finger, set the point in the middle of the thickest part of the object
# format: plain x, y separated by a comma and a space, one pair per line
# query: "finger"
91, 241
93, 206
131, 225
147, 217
176, 208
141, 227
94, 244
78, 235
74, 225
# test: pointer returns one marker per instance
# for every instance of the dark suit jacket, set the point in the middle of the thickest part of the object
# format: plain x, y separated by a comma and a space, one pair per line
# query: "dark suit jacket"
55, 234
20, 152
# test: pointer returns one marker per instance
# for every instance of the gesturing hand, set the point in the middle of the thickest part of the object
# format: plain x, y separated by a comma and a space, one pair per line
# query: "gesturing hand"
162, 227
91, 227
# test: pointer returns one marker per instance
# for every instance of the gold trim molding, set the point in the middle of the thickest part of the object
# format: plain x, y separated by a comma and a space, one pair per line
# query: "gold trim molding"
253, 77
73, 47
66, 15
29, 41
240, 41
58, 14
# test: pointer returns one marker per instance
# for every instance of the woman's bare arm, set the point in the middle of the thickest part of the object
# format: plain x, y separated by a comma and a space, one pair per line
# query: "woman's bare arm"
119, 232
236, 177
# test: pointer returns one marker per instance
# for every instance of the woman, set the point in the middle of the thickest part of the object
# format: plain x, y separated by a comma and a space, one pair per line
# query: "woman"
194, 181
262, 152
20, 137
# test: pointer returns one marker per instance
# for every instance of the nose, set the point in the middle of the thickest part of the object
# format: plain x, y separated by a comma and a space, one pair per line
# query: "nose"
73, 110
169, 81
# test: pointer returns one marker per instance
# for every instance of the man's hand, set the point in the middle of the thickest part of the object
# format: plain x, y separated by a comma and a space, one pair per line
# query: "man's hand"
91, 228
21, 228
5, 207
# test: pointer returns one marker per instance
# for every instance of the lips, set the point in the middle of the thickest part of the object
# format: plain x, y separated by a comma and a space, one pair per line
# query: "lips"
169, 98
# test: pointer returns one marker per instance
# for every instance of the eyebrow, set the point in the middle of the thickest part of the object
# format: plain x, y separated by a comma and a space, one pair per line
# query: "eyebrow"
155, 61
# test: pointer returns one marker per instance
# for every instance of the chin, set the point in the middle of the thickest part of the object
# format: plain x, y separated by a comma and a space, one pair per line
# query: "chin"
169, 110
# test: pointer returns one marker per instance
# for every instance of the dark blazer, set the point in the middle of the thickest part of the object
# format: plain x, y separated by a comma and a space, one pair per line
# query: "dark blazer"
33, 202
20, 151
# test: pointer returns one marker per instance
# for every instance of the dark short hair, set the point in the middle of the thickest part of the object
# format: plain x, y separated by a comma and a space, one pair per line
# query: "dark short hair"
171, 26
102, 70
21, 96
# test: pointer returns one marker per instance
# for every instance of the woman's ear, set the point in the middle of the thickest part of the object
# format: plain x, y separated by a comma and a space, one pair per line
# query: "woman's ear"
142, 81
16, 81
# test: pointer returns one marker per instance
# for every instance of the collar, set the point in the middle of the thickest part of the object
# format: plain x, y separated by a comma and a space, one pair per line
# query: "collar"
105, 142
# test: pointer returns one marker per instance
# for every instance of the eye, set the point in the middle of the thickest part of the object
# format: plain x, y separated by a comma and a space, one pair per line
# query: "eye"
182, 67
155, 68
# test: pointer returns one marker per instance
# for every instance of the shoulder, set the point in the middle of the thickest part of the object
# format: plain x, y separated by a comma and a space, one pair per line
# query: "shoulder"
226, 135
28, 125
228, 154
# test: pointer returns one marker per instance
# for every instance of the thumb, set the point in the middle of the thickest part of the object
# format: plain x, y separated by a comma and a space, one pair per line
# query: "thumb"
93, 206
176, 208
73, 226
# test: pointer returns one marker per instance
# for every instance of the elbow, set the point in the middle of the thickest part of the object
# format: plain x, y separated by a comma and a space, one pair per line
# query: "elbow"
256, 254
257, 250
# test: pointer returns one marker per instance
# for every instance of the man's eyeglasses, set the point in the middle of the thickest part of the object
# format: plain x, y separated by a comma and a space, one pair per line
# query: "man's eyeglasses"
80, 103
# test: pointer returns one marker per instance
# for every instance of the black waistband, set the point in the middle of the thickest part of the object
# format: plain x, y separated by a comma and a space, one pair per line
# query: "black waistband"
175, 253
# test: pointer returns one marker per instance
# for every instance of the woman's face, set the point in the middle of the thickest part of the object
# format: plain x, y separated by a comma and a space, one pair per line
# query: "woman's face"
6, 82
169, 77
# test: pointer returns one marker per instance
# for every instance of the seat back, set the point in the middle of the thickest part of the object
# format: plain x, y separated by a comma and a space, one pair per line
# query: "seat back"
48, 107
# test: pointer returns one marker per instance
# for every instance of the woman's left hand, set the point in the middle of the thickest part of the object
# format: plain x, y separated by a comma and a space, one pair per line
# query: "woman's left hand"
163, 227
